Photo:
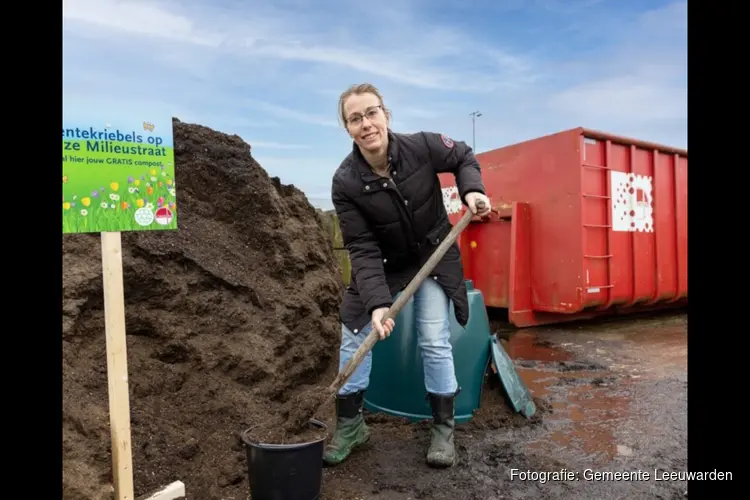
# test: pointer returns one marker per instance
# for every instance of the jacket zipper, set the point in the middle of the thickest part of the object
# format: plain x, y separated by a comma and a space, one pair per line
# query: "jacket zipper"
404, 208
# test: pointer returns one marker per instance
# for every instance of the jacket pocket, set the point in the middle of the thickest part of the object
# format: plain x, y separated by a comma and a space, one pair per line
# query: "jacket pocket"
438, 234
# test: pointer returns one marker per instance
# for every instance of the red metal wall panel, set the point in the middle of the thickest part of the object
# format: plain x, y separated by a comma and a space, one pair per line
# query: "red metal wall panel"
606, 217
635, 221
479, 245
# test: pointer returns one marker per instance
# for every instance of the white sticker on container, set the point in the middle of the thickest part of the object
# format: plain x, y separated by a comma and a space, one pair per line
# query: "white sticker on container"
451, 200
632, 202
593, 290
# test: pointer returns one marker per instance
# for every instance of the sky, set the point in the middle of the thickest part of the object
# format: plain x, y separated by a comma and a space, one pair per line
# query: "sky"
271, 71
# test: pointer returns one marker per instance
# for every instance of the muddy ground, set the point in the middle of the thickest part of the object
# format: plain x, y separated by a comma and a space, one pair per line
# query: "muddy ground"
614, 398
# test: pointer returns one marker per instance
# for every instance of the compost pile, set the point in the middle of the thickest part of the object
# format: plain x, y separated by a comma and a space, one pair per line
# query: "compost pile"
227, 319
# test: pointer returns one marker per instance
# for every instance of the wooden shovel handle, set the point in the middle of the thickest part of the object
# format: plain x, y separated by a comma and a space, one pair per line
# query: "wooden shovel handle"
408, 292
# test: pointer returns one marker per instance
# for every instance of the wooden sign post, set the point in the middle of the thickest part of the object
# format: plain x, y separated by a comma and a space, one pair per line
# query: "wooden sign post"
116, 179
117, 365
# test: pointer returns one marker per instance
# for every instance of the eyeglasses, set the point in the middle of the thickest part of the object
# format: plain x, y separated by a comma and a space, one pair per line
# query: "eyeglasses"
356, 118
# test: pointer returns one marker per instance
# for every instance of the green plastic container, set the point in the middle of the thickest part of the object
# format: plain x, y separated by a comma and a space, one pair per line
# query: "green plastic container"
397, 377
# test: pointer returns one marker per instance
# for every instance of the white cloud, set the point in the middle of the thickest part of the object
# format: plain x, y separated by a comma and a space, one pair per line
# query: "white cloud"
628, 99
291, 114
410, 59
138, 18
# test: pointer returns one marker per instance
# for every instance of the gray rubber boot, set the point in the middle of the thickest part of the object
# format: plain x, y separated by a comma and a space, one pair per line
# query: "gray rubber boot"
442, 451
351, 430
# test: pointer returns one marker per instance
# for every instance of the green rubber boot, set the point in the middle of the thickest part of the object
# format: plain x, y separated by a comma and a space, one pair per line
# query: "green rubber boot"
351, 430
442, 451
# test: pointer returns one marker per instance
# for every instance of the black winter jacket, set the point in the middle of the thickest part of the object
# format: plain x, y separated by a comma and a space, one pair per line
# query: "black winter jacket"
391, 226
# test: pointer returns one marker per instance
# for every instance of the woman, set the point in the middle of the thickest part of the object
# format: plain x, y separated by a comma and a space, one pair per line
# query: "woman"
389, 202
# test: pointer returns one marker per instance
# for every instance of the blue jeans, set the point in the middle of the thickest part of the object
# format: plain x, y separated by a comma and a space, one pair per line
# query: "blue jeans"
431, 308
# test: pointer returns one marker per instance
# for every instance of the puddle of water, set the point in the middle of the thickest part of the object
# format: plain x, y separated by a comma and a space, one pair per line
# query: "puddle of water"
590, 406
586, 405
643, 335
584, 416
527, 346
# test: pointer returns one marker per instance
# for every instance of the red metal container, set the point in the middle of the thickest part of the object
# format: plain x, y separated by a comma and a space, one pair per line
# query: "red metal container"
584, 224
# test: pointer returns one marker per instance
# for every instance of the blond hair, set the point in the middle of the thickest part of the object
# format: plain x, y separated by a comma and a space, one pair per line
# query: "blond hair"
357, 89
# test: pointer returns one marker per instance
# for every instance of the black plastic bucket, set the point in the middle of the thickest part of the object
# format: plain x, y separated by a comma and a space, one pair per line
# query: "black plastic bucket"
285, 471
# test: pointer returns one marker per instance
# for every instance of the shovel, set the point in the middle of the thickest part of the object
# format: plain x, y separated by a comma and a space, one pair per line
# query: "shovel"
407, 294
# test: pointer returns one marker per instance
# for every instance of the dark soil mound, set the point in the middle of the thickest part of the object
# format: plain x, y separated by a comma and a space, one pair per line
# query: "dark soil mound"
227, 318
